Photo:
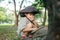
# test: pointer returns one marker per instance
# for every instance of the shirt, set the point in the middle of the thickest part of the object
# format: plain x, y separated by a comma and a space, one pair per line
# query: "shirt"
23, 22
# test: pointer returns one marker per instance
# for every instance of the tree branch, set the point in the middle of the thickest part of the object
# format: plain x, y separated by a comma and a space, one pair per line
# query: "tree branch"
15, 7
21, 6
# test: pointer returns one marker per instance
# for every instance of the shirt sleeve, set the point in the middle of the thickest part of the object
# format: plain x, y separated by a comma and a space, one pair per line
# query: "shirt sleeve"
22, 25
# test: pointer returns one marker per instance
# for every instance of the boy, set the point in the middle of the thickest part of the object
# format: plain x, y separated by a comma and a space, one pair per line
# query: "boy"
27, 22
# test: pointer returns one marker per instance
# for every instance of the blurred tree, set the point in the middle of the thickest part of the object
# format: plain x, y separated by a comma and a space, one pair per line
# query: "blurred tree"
2, 17
2, 14
17, 15
3, 9
40, 4
54, 20
39, 7
10, 18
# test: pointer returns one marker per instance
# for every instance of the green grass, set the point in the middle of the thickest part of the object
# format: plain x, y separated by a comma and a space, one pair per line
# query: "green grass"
7, 32
6, 25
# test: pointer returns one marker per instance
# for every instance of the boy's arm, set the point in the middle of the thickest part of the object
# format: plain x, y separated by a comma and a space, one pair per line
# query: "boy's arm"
29, 28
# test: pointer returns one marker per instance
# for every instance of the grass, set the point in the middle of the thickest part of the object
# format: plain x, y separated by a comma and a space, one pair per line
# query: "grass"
6, 25
7, 32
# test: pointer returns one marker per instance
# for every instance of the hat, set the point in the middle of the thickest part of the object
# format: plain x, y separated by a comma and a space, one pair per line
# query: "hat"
30, 9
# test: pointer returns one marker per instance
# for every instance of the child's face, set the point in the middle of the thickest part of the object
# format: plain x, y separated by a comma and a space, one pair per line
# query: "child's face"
30, 16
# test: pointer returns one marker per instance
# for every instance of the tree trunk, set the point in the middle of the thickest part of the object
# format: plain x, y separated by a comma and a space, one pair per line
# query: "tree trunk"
17, 15
44, 18
54, 20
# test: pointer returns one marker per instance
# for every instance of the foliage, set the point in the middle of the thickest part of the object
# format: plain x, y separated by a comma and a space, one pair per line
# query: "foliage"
3, 9
10, 18
39, 7
38, 4
2, 16
37, 16
7, 18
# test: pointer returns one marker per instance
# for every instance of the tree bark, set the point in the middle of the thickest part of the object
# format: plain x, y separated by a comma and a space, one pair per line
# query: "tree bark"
54, 20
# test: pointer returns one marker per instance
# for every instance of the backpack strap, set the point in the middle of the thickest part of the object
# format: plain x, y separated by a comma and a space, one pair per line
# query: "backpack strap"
30, 21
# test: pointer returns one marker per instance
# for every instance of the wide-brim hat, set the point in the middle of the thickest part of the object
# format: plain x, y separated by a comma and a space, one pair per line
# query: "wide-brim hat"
29, 9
